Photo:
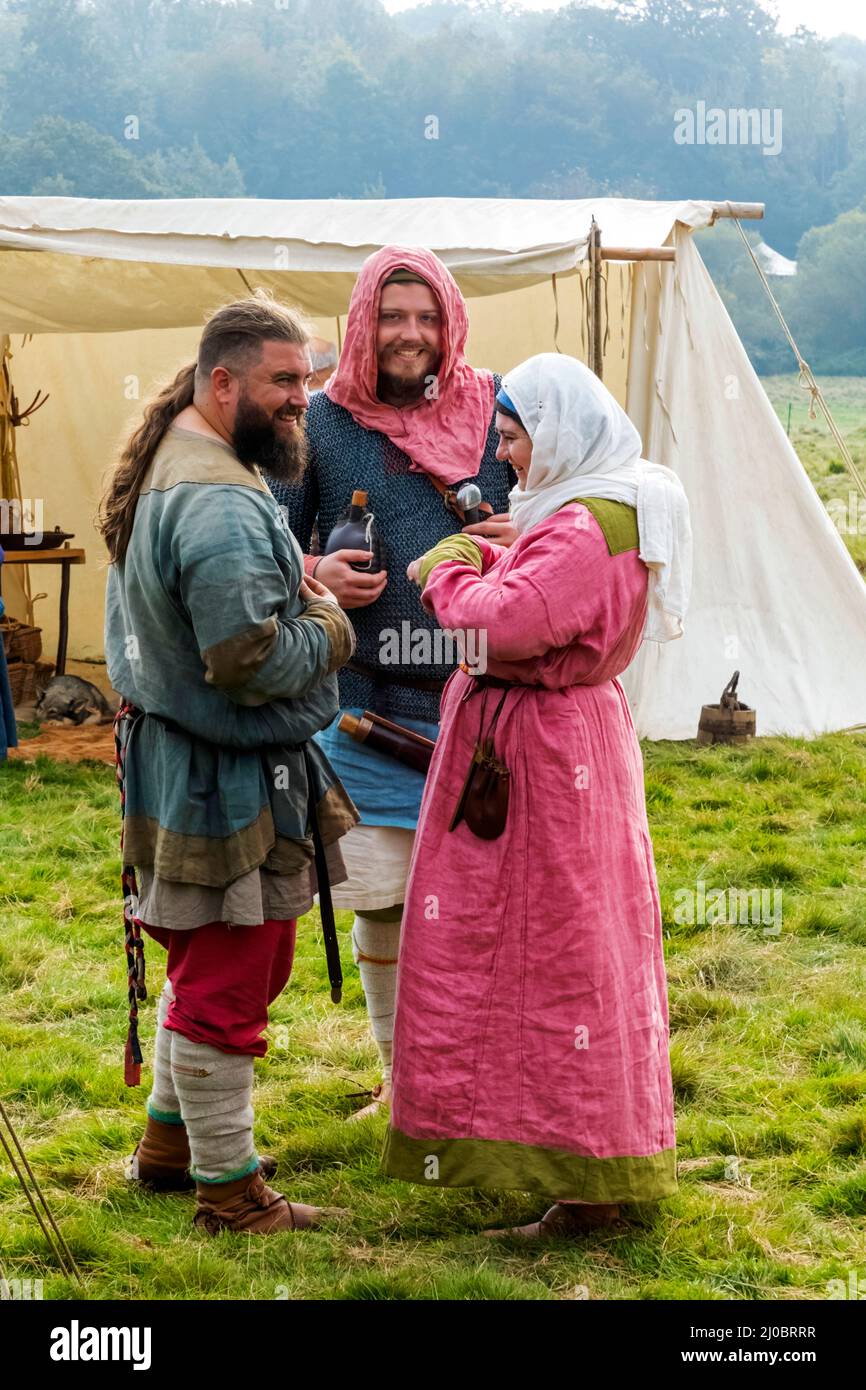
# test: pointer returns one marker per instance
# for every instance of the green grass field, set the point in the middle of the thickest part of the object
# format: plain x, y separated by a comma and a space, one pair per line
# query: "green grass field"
769, 1054
768, 1045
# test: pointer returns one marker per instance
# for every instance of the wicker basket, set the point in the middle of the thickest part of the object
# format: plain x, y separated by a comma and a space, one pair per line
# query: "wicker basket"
26, 644
22, 681
21, 642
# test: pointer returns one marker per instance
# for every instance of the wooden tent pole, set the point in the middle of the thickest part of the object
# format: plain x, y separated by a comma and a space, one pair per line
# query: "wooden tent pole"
739, 210
596, 355
10, 480
638, 253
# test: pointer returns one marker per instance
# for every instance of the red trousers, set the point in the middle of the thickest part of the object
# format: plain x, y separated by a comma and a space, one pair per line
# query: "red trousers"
223, 978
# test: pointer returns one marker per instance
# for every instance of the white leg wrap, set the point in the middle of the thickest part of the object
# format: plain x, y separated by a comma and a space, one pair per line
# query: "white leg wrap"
375, 946
163, 1099
216, 1101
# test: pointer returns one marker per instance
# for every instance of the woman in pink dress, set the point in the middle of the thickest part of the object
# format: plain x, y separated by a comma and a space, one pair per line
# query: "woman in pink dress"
532, 1023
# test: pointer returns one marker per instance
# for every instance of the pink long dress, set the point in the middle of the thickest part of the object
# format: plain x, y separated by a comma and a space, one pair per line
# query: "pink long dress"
531, 1042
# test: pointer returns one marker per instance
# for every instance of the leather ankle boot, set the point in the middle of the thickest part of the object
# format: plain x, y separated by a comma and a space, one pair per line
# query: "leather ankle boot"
247, 1204
567, 1219
161, 1158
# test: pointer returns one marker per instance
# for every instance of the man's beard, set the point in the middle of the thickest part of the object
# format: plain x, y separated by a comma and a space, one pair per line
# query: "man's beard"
407, 390
399, 388
257, 441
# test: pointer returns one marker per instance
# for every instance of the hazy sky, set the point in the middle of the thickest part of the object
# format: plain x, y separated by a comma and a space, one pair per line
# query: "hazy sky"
827, 17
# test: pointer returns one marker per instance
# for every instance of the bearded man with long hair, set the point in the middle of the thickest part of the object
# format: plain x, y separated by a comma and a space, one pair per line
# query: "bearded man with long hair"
224, 655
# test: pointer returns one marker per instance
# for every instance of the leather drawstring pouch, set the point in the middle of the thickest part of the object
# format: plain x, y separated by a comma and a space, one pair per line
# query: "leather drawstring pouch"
483, 802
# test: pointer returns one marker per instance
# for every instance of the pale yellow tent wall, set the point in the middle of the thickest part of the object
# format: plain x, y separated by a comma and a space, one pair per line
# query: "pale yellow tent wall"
98, 381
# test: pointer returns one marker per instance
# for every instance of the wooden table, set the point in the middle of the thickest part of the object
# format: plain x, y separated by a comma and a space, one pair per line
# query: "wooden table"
63, 557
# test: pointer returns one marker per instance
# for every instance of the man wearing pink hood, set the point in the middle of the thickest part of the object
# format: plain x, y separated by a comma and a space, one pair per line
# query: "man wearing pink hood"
406, 419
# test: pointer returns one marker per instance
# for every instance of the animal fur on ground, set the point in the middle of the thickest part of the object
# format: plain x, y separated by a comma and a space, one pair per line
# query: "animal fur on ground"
71, 700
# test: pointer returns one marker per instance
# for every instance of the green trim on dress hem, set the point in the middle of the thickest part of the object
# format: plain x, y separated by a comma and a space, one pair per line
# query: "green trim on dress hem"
504, 1163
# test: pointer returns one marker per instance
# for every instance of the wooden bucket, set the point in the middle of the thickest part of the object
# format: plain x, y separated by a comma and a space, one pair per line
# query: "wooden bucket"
730, 721
719, 725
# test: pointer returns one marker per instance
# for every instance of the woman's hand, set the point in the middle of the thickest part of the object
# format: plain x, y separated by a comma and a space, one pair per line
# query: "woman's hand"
313, 589
498, 529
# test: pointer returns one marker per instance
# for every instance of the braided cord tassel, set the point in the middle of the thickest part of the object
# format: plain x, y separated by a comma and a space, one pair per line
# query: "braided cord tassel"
133, 940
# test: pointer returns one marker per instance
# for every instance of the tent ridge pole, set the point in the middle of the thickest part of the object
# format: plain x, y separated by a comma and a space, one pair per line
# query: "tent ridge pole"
740, 210
638, 253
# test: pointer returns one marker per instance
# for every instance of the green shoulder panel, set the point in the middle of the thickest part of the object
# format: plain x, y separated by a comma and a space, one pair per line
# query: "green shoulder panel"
617, 520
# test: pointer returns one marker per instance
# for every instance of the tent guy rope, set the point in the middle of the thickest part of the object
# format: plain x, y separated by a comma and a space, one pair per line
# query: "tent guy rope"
807, 380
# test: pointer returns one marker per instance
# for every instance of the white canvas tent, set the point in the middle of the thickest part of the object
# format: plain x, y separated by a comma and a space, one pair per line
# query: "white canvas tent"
114, 292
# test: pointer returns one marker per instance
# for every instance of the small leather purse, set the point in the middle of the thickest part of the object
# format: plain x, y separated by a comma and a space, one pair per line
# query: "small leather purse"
483, 802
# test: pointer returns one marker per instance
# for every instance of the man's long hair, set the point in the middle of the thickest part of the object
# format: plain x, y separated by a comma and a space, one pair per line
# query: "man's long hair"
232, 338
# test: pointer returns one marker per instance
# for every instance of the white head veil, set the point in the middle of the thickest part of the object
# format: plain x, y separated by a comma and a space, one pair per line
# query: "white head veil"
584, 445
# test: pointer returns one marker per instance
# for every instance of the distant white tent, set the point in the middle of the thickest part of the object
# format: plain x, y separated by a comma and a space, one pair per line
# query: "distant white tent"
114, 292
773, 262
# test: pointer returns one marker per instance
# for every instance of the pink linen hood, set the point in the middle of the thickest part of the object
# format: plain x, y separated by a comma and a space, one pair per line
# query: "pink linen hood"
444, 436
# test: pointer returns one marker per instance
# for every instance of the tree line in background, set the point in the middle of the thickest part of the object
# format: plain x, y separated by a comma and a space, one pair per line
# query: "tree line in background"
335, 98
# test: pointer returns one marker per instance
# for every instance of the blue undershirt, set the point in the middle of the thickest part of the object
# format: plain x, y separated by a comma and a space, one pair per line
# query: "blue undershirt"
385, 791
